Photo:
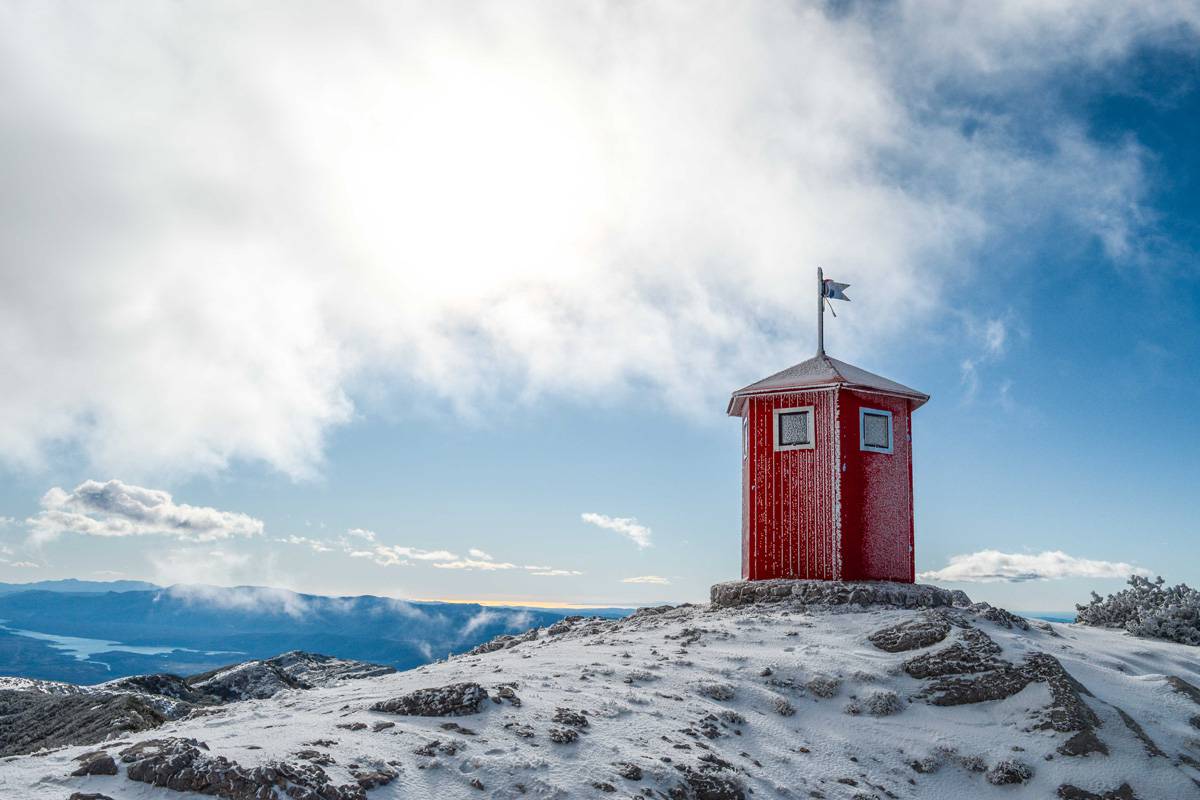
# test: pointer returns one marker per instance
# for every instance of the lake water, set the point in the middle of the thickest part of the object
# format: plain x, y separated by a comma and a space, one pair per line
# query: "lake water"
83, 648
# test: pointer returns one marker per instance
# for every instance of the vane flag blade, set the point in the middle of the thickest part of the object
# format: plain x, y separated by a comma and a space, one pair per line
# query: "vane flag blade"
833, 290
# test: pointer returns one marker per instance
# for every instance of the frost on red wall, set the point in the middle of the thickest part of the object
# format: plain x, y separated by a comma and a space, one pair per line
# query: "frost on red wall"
836, 511
877, 498
790, 511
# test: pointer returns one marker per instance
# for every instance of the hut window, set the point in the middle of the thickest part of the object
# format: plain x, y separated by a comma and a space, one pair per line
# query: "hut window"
794, 428
875, 430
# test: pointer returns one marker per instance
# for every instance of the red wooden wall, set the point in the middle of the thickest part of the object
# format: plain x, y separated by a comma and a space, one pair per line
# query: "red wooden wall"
790, 515
877, 494
835, 512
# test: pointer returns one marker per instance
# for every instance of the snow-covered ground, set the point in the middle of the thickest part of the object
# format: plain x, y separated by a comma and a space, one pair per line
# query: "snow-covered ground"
762, 701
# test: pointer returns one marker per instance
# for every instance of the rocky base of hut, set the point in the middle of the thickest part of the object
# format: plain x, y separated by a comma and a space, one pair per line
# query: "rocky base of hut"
733, 594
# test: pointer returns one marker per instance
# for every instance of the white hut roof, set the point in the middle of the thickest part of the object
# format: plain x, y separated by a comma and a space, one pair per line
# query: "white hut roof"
820, 372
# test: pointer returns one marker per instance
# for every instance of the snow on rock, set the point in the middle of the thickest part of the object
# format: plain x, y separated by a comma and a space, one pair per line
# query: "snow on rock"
292, 670
45, 714
833, 593
729, 702
455, 700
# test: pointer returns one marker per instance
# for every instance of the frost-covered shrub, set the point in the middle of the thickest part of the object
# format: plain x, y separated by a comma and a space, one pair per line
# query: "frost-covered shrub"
1146, 608
783, 707
1008, 772
882, 703
732, 717
824, 686
716, 691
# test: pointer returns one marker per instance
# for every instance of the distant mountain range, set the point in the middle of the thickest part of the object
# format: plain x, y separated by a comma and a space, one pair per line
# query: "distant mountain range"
88, 632
73, 585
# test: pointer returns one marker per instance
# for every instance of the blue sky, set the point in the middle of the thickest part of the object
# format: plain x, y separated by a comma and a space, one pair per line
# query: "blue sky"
381, 300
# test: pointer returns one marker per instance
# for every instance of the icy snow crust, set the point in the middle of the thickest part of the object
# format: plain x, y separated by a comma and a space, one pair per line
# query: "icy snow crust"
777, 700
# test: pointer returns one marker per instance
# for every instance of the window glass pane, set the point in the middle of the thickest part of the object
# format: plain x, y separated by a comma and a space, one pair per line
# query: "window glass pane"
876, 431
793, 428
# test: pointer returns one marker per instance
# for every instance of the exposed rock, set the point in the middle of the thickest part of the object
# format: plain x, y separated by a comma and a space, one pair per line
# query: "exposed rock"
628, 771
1122, 792
375, 778
566, 716
1184, 688
706, 783
507, 691
504, 642
455, 700
1005, 619
563, 735
1083, 743
184, 765
88, 796
35, 717
438, 747
911, 634
563, 625
833, 593
96, 763
31, 721
1135, 727
1007, 772
974, 652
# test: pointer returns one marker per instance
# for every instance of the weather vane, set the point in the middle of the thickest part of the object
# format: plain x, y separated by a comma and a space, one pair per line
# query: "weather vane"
827, 290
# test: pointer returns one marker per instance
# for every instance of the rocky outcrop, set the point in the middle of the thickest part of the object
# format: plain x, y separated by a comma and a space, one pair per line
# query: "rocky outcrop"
185, 765
504, 642
911, 634
31, 721
455, 700
48, 715
834, 593
257, 680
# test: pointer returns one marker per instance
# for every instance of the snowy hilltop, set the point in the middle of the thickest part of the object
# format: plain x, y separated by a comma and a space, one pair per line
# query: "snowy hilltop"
776, 689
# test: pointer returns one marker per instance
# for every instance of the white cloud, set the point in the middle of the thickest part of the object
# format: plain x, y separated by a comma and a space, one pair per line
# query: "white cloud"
987, 566
116, 509
551, 200
628, 527
402, 556
21, 564
316, 545
655, 579
475, 563
396, 555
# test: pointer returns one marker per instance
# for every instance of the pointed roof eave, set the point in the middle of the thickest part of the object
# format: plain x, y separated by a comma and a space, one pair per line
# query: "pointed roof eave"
823, 372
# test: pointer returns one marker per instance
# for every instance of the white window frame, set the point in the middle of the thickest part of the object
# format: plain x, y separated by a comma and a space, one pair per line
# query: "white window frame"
812, 428
862, 431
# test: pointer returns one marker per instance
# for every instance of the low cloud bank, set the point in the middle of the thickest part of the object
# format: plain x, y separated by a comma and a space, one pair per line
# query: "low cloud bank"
990, 566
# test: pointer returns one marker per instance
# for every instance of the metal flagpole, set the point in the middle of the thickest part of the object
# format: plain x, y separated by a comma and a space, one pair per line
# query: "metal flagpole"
820, 312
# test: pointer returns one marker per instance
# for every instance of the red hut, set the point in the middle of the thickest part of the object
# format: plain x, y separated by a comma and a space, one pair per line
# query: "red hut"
827, 487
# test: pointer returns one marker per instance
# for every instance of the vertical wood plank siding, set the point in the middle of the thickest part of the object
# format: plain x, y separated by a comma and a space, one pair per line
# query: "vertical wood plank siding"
790, 525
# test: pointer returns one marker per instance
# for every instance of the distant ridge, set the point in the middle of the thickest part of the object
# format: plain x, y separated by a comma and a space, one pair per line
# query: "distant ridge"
75, 585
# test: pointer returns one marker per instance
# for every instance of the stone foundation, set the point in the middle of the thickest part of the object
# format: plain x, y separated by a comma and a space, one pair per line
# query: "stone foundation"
834, 593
